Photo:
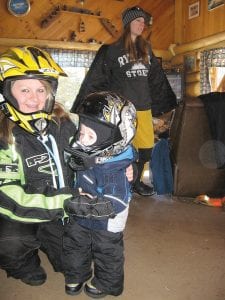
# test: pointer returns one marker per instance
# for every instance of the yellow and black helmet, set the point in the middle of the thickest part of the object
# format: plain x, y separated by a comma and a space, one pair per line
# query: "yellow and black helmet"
27, 63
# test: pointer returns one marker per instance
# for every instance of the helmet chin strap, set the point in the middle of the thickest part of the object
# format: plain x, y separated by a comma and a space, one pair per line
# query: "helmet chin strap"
54, 154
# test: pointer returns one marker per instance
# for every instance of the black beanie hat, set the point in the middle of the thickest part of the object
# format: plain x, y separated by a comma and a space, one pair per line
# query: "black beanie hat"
132, 13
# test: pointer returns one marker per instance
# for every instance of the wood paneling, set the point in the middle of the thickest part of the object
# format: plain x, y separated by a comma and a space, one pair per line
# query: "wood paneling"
206, 24
61, 26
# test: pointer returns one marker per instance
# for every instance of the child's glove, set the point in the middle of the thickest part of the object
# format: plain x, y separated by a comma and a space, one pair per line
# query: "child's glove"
83, 206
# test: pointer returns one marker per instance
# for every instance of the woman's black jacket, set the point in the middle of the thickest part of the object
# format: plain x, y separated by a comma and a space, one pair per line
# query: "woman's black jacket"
98, 79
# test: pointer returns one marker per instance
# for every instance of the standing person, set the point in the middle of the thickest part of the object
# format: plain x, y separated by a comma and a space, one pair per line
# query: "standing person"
129, 67
100, 153
34, 180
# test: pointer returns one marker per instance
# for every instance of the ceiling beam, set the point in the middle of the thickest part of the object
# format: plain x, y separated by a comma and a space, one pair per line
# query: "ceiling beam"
6, 42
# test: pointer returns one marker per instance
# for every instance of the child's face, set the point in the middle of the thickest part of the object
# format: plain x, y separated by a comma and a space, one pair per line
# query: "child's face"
87, 136
30, 94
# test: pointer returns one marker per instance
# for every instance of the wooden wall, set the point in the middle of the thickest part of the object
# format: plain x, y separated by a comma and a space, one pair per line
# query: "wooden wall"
208, 22
61, 23
192, 35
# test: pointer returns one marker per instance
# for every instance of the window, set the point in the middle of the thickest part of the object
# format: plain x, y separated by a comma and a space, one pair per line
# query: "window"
69, 86
212, 70
75, 64
217, 79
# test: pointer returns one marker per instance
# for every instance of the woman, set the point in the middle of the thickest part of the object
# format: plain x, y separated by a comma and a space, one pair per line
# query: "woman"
34, 180
130, 68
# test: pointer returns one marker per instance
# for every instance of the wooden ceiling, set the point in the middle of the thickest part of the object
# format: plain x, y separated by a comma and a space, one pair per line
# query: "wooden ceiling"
72, 22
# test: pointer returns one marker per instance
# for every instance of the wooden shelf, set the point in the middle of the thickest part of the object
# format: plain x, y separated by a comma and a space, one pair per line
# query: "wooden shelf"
82, 14
49, 44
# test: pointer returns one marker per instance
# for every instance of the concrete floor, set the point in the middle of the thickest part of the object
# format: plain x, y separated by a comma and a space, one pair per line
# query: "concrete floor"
175, 250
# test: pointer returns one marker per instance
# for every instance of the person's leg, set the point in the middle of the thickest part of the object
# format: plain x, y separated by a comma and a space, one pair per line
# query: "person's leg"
108, 256
50, 235
143, 142
77, 257
19, 252
144, 156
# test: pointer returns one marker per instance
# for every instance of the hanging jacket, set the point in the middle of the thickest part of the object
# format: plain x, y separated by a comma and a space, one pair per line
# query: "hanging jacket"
161, 168
27, 193
108, 181
146, 85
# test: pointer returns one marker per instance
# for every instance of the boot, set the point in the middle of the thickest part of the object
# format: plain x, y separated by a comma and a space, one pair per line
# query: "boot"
139, 186
73, 289
143, 189
93, 292
36, 277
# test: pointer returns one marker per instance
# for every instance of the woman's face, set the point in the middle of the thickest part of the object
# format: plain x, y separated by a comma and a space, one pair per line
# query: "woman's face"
30, 94
87, 136
137, 26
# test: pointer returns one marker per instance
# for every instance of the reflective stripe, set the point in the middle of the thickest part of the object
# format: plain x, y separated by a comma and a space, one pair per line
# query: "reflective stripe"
116, 199
10, 215
33, 207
